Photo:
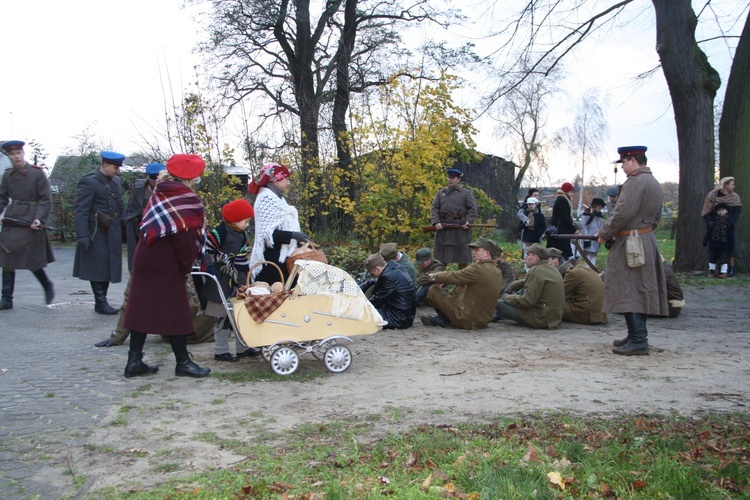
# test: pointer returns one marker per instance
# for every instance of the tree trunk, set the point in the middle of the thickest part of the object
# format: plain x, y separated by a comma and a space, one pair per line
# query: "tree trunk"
692, 85
340, 108
734, 138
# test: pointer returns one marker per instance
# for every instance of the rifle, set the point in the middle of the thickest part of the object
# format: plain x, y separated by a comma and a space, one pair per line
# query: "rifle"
575, 236
429, 229
23, 223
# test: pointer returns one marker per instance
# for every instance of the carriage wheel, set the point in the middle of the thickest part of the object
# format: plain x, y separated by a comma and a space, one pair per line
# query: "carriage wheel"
265, 352
337, 358
284, 361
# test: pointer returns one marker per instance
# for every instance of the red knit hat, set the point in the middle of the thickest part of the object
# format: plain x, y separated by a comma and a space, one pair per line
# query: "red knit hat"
273, 172
186, 166
567, 187
237, 210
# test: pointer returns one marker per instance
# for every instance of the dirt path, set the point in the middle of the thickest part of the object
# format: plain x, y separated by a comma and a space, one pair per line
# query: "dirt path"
699, 362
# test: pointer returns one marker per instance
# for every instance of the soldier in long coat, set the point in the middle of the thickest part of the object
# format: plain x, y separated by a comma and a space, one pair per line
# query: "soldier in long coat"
635, 291
139, 195
470, 305
25, 196
97, 213
541, 303
454, 205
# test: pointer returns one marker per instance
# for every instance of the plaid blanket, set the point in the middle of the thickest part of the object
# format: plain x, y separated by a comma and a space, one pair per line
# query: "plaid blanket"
262, 306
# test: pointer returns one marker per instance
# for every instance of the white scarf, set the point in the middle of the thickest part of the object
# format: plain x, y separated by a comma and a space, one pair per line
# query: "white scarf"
272, 212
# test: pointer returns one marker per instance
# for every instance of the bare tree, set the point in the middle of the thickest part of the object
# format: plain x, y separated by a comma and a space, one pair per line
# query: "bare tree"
692, 83
585, 139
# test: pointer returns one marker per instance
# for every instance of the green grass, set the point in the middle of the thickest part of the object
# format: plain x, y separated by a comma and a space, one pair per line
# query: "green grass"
629, 457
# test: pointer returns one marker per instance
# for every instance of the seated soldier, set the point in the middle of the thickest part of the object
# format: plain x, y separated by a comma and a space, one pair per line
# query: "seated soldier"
389, 251
584, 294
393, 293
425, 264
541, 303
470, 304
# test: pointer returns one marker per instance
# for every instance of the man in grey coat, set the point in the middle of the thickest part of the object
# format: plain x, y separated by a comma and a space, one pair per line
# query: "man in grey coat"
97, 216
452, 210
636, 289
26, 199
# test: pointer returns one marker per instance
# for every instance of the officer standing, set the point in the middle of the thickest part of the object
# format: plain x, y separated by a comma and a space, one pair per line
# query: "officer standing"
97, 215
454, 206
26, 198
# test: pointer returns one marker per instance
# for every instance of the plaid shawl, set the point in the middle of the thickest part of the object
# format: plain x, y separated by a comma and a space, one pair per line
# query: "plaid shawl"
229, 263
173, 208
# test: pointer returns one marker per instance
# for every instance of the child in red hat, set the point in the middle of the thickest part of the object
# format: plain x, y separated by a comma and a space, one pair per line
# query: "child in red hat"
226, 245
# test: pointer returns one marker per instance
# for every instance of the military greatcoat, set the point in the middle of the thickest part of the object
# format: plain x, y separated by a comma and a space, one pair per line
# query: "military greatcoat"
471, 303
640, 289
25, 195
102, 261
453, 206
584, 296
139, 195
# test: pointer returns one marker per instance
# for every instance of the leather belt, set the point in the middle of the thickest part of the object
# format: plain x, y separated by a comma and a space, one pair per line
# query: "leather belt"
640, 231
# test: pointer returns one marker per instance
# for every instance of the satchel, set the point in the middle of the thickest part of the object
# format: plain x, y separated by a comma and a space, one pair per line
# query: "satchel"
306, 252
634, 250
103, 219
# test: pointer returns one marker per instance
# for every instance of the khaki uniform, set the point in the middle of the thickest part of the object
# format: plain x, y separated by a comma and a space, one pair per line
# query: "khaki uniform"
453, 206
584, 296
542, 302
471, 303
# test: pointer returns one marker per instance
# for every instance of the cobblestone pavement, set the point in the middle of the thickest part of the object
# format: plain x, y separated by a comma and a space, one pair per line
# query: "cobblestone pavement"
55, 385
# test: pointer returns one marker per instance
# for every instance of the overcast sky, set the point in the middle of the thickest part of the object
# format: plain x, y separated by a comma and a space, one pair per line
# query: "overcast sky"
102, 66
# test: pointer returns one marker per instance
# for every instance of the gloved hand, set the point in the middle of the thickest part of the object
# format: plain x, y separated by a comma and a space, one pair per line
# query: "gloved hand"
300, 237
106, 343
84, 243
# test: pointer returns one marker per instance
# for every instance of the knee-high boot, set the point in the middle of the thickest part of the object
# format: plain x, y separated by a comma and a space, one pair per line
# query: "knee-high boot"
49, 289
638, 343
9, 283
100, 297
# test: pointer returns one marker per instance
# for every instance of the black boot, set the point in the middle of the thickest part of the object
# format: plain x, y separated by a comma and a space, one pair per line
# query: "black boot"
9, 283
100, 297
136, 366
49, 289
629, 322
187, 368
638, 343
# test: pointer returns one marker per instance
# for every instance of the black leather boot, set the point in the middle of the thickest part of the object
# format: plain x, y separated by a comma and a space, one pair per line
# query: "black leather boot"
187, 368
100, 297
136, 366
638, 343
629, 322
49, 289
9, 283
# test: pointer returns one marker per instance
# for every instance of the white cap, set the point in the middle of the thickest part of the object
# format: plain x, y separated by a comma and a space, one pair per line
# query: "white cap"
532, 200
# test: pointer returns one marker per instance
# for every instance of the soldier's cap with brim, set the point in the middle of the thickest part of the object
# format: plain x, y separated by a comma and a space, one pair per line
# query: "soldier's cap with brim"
613, 191
626, 151
554, 252
488, 245
373, 261
116, 159
13, 145
539, 250
423, 255
565, 267
454, 171
389, 251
